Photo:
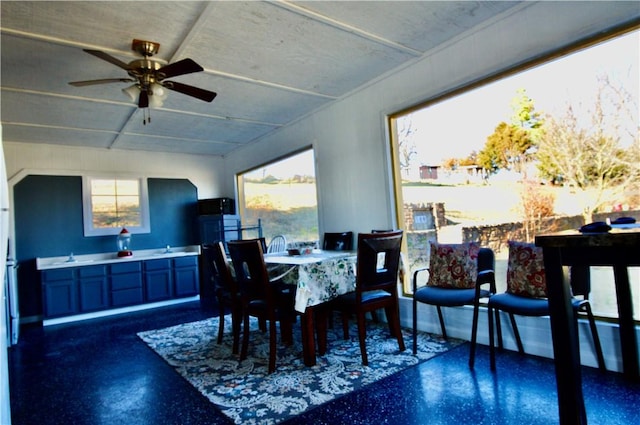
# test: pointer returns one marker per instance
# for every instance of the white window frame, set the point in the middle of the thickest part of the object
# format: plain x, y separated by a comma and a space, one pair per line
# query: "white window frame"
87, 210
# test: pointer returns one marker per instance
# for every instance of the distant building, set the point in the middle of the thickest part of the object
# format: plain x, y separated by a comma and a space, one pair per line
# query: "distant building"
429, 172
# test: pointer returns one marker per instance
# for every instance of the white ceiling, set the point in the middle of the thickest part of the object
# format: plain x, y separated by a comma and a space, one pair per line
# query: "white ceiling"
270, 63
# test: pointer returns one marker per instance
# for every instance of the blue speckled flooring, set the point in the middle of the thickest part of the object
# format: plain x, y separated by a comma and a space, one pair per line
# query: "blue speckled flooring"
99, 372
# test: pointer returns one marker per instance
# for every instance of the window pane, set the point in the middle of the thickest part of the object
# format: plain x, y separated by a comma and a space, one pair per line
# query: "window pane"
127, 187
283, 196
103, 187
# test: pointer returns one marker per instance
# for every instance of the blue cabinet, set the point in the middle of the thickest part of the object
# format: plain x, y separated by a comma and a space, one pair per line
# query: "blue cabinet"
84, 289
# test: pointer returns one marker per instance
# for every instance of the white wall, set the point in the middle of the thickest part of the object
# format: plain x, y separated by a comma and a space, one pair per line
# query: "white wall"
205, 172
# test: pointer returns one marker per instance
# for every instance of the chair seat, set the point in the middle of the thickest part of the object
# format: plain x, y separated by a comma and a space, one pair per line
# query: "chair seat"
446, 296
516, 304
367, 296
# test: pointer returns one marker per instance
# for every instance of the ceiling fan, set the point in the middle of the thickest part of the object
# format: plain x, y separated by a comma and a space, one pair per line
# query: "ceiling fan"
149, 76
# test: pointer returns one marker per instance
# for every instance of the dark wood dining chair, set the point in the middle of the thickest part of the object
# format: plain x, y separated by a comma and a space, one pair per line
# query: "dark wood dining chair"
526, 295
376, 286
260, 297
225, 289
337, 241
458, 275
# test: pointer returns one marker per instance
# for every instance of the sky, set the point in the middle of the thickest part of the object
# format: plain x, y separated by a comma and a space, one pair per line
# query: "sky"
571, 78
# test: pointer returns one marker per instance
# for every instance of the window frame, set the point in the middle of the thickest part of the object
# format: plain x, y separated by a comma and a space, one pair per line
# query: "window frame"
87, 211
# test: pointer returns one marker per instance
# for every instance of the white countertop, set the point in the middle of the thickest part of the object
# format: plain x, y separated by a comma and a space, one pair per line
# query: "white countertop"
47, 263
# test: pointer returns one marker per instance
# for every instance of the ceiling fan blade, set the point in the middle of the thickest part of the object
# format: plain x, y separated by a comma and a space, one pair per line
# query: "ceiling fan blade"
108, 58
102, 81
196, 92
143, 101
185, 66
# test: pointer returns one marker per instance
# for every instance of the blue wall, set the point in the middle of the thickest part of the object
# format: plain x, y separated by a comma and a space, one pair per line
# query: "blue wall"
48, 223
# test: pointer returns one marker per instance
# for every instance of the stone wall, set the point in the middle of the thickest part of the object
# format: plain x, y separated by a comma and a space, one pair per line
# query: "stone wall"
496, 236
422, 222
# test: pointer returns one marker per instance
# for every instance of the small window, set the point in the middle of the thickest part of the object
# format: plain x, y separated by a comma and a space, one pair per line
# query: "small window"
113, 203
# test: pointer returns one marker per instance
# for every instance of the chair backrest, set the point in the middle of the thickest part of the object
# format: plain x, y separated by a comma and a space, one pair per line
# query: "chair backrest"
277, 244
251, 272
378, 261
338, 241
486, 260
223, 270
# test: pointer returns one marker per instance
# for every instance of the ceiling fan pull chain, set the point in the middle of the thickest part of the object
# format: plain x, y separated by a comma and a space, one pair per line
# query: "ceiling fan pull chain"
146, 116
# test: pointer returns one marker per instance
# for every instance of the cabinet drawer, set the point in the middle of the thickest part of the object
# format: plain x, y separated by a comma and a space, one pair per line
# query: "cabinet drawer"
91, 271
190, 261
53, 275
126, 281
128, 267
162, 264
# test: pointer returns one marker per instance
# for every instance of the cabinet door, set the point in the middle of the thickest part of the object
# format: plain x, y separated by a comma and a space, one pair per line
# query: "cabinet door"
60, 298
59, 293
158, 280
186, 276
93, 294
92, 288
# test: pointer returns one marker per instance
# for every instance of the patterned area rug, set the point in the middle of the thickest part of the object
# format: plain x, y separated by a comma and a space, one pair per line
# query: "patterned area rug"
248, 395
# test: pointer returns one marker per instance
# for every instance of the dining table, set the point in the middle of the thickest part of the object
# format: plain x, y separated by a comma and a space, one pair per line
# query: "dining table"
618, 248
318, 276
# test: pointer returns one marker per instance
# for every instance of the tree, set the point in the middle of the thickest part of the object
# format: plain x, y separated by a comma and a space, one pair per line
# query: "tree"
512, 145
589, 156
406, 143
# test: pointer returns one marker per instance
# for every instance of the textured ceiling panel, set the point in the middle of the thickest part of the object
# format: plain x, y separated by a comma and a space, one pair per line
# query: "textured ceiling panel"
270, 63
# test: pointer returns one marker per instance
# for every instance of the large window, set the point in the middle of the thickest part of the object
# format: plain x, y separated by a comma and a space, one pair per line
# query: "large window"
113, 203
283, 196
546, 149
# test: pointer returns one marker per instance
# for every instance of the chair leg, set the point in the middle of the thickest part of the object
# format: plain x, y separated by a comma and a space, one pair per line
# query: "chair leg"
516, 333
220, 321
245, 338
236, 319
286, 331
362, 335
393, 317
345, 325
474, 333
441, 318
415, 327
272, 346
492, 349
499, 328
594, 334
374, 316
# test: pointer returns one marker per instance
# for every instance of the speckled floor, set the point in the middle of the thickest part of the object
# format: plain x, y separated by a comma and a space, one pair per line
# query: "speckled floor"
99, 372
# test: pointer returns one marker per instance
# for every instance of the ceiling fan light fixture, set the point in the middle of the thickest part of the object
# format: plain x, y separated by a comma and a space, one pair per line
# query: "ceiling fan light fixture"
132, 91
